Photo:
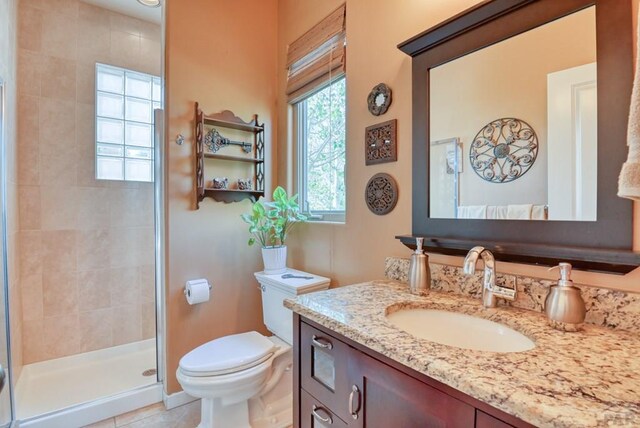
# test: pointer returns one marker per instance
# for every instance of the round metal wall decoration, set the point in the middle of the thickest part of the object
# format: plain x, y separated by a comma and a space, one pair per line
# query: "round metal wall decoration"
504, 150
381, 194
379, 99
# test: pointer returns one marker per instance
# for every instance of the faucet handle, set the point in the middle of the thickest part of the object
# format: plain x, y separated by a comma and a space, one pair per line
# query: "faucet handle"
504, 292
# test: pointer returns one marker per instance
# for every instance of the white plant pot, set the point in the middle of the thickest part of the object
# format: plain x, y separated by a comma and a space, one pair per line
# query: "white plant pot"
275, 260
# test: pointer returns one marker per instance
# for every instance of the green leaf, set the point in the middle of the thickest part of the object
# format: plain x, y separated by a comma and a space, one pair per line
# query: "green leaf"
279, 194
252, 241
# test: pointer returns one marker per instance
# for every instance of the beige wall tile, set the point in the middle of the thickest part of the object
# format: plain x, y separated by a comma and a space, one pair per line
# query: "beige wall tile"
151, 31
60, 35
29, 71
148, 320
86, 85
94, 290
32, 296
57, 126
125, 50
95, 43
58, 168
124, 286
61, 336
30, 252
147, 286
150, 61
60, 292
58, 251
126, 324
28, 140
96, 330
123, 248
59, 207
59, 81
29, 197
30, 22
125, 24
93, 249
135, 208
94, 208
65, 7
33, 341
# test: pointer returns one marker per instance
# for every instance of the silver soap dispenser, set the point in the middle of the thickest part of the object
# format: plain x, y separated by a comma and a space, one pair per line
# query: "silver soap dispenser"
564, 305
419, 273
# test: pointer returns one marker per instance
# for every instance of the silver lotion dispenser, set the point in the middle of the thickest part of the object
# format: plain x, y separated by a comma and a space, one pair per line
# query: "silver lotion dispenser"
564, 305
419, 273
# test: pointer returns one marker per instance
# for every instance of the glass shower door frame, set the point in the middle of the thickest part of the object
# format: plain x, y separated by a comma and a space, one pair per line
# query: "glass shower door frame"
4, 266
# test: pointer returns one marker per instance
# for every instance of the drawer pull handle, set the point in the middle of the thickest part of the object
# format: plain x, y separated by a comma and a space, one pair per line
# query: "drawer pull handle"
355, 392
316, 414
321, 343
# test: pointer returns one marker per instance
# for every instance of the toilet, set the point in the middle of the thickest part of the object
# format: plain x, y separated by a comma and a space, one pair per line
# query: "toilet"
245, 380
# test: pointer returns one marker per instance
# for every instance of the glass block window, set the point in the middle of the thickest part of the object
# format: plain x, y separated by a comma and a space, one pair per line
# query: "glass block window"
125, 101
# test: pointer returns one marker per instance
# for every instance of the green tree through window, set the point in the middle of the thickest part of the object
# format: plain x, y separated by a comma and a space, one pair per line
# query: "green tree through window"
324, 138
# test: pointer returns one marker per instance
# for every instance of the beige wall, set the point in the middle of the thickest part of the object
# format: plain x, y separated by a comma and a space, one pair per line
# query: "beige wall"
356, 250
222, 55
8, 55
87, 246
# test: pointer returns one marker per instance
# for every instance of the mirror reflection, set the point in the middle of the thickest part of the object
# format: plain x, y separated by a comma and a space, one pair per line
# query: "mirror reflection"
513, 127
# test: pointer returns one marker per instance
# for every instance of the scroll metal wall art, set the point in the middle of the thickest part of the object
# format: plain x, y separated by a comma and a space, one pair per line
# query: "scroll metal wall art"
381, 194
380, 143
504, 150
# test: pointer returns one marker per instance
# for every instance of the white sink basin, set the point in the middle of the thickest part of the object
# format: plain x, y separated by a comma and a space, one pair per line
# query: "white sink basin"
460, 330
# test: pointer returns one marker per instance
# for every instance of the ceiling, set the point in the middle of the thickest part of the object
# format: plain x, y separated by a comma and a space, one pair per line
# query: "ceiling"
130, 8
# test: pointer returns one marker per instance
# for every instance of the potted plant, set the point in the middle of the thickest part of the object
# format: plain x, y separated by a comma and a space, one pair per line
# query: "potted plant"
269, 224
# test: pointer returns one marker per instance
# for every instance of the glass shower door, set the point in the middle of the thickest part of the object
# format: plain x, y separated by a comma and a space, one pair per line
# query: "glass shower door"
6, 415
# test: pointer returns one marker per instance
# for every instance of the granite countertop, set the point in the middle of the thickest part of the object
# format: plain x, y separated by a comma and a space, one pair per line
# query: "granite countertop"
584, 379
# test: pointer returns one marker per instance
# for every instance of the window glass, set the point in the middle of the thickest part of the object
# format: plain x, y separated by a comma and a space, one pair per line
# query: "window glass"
321, 147
125, 101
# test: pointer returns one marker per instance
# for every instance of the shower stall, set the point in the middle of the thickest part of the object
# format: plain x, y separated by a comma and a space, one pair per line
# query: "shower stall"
80, 192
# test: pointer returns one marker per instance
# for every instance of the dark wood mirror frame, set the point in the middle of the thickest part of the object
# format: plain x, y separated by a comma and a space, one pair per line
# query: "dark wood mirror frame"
603, 245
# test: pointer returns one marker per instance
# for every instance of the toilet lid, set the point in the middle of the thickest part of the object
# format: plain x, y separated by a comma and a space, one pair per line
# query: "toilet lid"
227, 354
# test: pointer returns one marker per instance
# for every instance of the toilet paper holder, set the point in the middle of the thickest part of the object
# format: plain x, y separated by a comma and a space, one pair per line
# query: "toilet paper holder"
192, 282
186, 292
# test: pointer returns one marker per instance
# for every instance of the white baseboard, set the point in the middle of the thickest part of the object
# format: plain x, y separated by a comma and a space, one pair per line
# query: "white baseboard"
95, 411
171, 401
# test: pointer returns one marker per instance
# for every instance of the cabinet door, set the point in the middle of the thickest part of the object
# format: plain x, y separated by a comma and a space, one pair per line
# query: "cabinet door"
314, 414
323, 361
484, 420
385, 397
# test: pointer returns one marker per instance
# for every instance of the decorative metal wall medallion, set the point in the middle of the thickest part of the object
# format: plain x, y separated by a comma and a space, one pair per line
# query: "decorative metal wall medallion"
380, 143
504, 150
379, 99
381, 193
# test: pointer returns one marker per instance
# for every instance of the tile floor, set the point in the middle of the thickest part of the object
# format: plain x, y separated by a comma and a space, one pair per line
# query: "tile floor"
155, 416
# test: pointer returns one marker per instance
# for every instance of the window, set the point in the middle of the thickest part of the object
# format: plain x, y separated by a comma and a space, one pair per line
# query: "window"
125, 101
321, 152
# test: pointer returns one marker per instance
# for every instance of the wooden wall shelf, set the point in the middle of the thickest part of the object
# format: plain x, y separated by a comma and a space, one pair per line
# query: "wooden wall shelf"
226, 119
232, 195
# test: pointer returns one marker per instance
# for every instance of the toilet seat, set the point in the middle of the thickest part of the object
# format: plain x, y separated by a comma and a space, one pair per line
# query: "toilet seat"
228, 354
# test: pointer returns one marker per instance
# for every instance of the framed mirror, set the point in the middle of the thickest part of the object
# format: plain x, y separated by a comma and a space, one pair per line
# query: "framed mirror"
533, 98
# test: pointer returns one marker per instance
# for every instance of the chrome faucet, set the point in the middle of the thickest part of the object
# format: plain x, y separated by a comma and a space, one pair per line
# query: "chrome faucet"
490, 291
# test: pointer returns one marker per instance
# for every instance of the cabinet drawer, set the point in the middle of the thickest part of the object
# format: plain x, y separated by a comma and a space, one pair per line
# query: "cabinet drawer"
314, 414
484, 420
323, 368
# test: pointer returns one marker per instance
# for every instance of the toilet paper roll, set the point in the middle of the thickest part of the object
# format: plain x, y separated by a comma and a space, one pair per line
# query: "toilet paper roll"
197, 291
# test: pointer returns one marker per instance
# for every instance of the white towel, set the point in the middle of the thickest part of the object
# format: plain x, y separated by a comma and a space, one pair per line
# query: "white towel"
629, 179
502, 212
538, 212
472, 211
492, 212
519, 212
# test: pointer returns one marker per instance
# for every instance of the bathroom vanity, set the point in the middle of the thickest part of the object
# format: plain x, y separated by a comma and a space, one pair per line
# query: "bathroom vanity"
353, 367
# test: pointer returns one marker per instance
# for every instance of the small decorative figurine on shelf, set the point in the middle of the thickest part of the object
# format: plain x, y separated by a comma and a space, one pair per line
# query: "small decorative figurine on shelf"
245, 183
220, 182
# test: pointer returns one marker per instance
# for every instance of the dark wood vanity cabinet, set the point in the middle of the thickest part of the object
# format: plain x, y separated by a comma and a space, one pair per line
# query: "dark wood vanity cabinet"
339, 383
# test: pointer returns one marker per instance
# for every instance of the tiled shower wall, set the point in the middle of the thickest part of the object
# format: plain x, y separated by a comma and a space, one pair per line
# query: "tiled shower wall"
87, 246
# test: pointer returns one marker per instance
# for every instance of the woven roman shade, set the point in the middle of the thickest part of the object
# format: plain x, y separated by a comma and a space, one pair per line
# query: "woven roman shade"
317, 57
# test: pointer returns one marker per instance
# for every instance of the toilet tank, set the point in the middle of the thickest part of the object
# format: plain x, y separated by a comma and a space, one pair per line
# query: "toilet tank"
275, 289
